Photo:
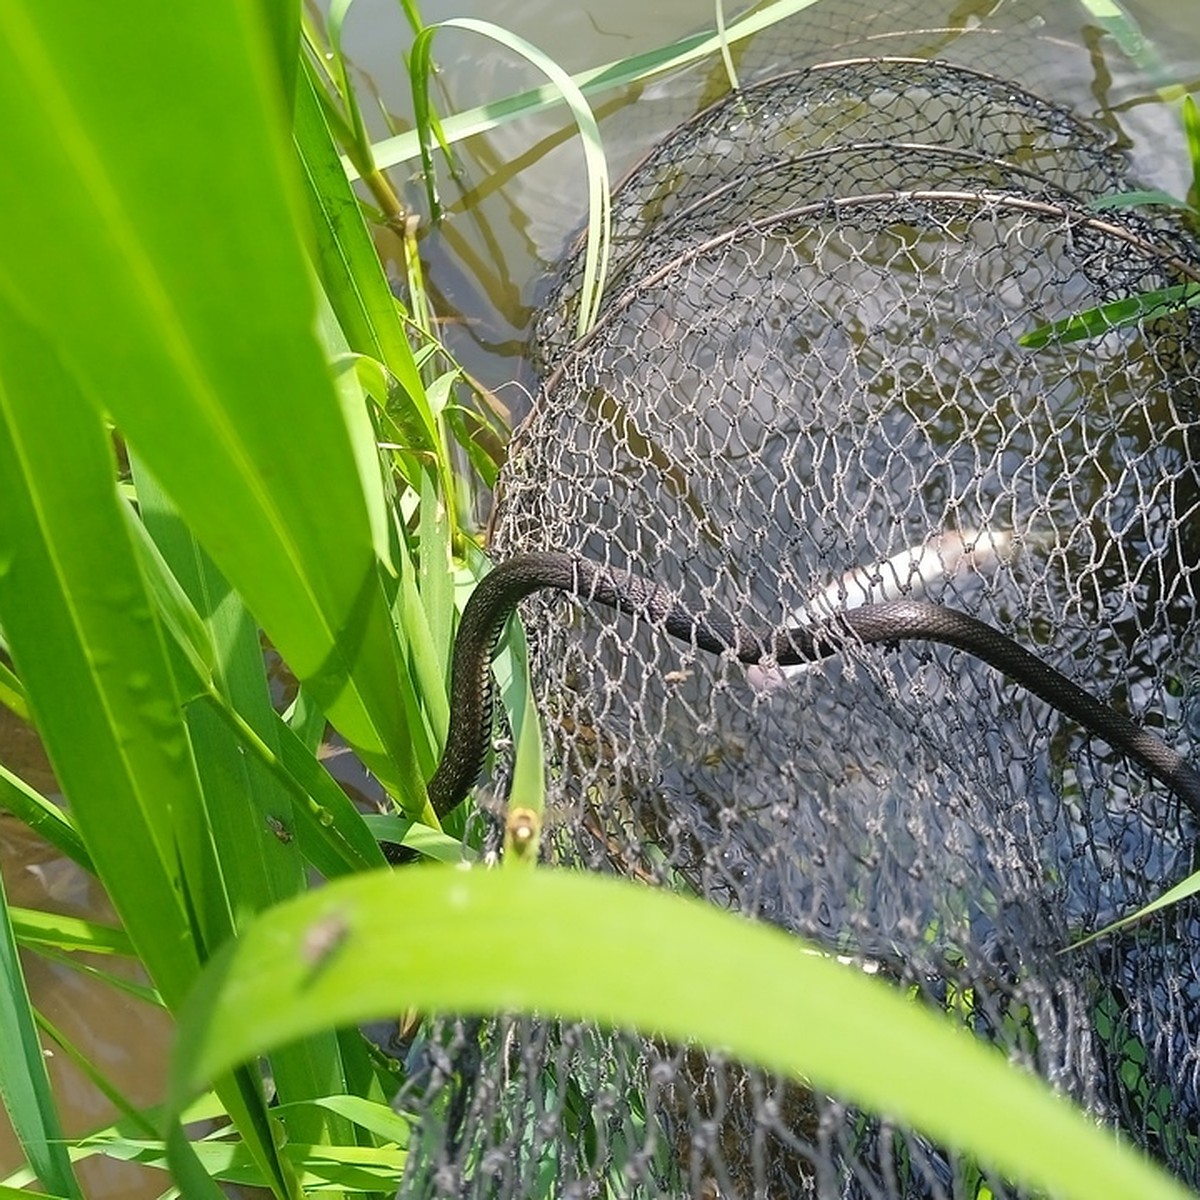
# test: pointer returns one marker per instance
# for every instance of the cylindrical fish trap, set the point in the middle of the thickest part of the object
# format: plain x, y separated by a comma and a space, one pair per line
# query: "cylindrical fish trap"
807, 391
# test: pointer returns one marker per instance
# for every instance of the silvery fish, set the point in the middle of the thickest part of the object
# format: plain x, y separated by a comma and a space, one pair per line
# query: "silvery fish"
909, 573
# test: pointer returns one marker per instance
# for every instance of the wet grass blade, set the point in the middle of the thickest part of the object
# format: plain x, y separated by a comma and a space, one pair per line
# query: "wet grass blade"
629, 957
88, 649
91, 653
107, 248
24, 1084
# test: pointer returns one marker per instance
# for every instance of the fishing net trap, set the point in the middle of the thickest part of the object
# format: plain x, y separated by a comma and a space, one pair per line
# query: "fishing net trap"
806, 392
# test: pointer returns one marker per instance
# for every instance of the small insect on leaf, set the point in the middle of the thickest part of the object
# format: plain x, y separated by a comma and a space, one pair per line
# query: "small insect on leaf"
322, 940
279, 829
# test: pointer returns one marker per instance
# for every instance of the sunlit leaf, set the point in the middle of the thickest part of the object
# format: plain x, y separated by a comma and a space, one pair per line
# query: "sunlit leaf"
582, 946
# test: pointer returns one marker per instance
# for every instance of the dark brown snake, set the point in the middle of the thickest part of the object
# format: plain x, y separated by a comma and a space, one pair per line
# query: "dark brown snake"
886, 623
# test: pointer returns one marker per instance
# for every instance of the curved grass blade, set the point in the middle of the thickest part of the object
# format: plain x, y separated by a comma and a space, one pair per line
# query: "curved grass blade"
405, 147
598, 230
626, 956
1181, 891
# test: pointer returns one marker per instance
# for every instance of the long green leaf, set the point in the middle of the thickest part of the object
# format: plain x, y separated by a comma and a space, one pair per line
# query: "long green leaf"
85, 638
37, 929
476, 941
191, 265
88, 648
24, 1085
1094, 322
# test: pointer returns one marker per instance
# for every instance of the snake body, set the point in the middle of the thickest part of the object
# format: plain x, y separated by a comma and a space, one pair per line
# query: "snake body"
886, 623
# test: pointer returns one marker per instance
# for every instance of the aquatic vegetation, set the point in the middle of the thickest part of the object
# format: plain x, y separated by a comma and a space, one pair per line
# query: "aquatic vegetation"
185, 276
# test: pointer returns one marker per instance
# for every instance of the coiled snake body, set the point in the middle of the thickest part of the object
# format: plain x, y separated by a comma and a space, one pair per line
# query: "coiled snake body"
885, 623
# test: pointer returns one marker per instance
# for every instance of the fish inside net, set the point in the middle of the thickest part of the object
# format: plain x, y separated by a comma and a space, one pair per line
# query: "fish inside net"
805, 392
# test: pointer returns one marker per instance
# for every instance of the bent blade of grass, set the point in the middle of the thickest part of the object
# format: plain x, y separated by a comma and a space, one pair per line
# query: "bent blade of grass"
405, 147
24, 1084
196, 274
598, 229
626, 956
35, 929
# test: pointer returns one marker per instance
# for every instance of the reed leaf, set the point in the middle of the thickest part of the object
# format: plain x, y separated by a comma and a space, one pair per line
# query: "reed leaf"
576, 945
214, 319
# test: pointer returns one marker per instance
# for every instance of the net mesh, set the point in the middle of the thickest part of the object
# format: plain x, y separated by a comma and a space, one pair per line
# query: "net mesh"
806, 392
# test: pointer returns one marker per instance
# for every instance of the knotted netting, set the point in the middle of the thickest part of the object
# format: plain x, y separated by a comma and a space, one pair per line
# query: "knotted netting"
806, 392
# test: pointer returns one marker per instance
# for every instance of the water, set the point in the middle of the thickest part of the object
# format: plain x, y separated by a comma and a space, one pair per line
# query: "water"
520, 198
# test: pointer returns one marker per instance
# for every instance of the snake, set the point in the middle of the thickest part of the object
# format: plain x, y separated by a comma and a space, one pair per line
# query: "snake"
886, 623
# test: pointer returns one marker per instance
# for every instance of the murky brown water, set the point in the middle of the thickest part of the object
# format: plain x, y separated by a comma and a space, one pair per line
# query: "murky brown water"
522, 196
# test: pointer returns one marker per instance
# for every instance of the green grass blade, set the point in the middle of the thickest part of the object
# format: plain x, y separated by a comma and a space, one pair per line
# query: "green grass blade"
92, 655
596, 254
1138, 199
345, 257
628, 956
12, 694
405, 147
36, 929
46, 818
96, 1077
246, 805
381, 1119
1191, 127
88, 649
111, 239
1181, 891
24, 1084
1094, 322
